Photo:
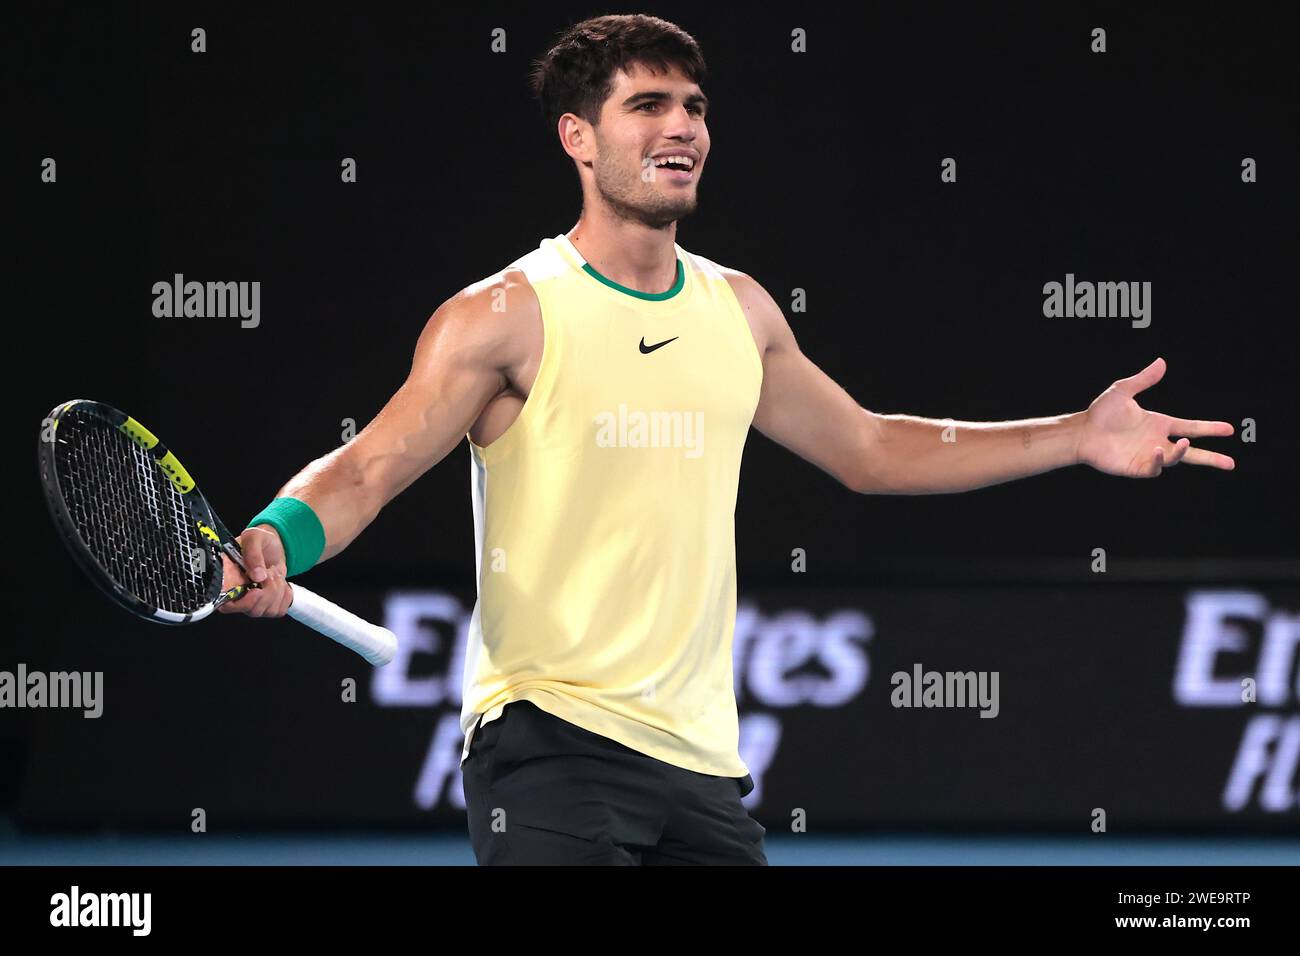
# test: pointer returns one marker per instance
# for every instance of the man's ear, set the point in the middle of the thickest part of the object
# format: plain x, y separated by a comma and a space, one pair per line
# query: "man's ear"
577, 138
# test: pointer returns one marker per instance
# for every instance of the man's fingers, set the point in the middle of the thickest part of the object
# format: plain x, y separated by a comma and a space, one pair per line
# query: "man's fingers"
251, 602
1177, 455
1157, 461
1143, 379
269, 598
239, 605
287, 599
273, 599
1196, 428
254, 561
1199, 456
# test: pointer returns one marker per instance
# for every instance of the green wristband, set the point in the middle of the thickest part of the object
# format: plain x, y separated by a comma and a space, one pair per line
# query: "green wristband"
300, 531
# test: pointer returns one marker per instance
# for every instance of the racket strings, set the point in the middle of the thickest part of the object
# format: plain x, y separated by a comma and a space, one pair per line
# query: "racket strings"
131, 517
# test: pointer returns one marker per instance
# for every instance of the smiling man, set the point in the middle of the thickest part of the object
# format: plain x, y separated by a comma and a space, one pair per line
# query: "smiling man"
607, 382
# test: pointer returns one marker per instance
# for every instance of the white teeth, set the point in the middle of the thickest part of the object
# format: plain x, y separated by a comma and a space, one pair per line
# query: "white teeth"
684, 160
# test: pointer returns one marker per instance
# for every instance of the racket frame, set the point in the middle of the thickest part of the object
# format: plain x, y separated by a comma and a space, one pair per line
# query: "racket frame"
200, 512
377, 645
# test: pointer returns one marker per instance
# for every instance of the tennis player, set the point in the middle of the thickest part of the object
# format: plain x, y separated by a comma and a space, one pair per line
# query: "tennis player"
606, 382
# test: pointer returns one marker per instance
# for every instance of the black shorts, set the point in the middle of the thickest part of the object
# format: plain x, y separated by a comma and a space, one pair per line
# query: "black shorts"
540, 790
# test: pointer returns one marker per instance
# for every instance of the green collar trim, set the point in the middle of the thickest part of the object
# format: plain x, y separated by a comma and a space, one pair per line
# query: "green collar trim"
650, 296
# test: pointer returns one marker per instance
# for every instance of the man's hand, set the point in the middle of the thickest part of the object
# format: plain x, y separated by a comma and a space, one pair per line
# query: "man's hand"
264, 558
1120, 437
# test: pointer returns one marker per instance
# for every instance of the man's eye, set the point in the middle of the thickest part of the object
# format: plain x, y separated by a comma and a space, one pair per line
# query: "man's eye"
693, 108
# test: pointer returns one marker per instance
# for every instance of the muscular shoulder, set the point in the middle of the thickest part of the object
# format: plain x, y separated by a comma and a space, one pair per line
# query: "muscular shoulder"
494, 318
765, 317
503, 299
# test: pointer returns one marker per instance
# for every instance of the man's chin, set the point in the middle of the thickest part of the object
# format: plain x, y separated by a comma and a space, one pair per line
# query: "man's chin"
660, 215
676, 211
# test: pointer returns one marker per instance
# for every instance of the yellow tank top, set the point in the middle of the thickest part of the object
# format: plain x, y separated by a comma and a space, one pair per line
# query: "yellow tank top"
604, 516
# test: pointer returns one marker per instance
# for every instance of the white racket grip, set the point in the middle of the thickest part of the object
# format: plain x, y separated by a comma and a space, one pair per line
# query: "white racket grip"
376, 644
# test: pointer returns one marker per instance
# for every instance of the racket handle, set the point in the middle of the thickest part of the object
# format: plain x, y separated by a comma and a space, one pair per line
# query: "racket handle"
376, 644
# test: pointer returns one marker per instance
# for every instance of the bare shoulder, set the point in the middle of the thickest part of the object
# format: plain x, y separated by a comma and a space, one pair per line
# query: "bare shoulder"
495, 319
766, 320
500, 302
505, 292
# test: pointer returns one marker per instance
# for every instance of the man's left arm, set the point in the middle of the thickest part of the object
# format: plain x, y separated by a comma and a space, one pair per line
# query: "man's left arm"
804, 410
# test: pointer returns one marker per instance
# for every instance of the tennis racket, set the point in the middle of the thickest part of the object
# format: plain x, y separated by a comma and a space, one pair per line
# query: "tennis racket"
137, 524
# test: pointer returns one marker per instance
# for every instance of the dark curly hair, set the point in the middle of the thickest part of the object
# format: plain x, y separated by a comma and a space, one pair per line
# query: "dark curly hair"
576, 75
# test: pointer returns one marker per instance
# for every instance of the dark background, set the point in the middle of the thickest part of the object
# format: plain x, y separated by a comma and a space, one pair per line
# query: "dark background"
923, 297
246, 721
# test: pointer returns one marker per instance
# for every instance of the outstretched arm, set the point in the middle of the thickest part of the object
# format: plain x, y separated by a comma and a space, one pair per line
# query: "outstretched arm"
804, 410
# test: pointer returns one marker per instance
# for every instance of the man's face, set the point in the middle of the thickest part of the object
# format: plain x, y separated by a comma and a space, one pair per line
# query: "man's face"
647, 118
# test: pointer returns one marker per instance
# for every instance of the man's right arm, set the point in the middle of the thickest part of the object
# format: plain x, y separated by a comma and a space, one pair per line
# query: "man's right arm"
460, 364
462, 360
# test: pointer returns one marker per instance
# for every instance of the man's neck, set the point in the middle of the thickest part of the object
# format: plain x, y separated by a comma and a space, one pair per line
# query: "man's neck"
629, 253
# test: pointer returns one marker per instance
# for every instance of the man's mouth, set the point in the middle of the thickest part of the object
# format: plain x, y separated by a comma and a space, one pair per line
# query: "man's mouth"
675, 168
